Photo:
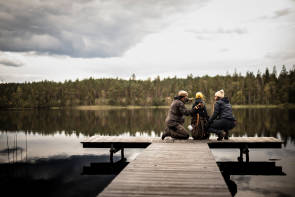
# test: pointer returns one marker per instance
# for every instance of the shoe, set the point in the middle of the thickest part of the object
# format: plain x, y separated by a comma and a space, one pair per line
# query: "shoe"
221, 135
206, 136
165, 134
226, 135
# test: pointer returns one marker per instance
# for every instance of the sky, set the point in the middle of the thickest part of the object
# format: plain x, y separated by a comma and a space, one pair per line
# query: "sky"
76, 39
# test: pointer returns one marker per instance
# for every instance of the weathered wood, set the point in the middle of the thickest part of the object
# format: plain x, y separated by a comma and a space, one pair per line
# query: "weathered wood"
171, 169
143, 142
249, 142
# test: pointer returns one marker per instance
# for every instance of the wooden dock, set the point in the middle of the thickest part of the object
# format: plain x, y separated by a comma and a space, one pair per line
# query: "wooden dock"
143, 142
172, 167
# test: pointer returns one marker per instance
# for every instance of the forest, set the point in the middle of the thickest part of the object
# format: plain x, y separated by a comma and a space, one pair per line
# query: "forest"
264, 88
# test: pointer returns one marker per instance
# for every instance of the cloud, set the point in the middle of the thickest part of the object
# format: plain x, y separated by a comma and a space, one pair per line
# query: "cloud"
282, 12
220, 30
277, 14
284, 55
209, 34
84, 28
9, 62
223, 50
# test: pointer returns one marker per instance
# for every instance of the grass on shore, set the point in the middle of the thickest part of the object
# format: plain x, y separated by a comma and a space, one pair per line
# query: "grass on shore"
254, 106
107, 107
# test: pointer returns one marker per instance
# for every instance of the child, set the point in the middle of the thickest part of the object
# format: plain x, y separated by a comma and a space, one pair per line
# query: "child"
199, 118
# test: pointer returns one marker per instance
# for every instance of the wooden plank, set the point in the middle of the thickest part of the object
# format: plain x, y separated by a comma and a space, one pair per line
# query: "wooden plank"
250, 142
171, 169
142, 142
133, 139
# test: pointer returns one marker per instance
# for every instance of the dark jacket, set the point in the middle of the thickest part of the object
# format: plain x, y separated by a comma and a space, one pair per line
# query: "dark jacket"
222, 110
201, 111
176, 112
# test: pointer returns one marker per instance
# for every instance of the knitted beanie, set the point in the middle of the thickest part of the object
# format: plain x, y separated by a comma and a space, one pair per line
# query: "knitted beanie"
220, 93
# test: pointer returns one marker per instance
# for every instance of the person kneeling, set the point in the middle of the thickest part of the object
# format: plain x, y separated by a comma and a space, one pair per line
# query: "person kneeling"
175, 120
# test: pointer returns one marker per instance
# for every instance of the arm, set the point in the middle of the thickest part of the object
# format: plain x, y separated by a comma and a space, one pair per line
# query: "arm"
182, 109
206, 113
215, 113
194, 111
194, 105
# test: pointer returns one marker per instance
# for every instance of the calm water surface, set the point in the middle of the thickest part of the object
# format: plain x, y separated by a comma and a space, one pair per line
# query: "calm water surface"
41, 154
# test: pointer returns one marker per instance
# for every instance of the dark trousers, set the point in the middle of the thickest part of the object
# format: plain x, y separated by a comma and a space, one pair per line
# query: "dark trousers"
177, 132
221, 124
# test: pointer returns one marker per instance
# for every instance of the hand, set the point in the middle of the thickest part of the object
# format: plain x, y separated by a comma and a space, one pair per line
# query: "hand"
200, 105
195, 110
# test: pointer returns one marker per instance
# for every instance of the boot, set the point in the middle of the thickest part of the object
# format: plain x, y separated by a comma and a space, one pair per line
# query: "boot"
206, 136
226, 135
221, 135
165, 134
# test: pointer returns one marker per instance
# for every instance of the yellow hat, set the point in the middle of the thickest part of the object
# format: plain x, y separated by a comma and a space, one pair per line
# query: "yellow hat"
199, 95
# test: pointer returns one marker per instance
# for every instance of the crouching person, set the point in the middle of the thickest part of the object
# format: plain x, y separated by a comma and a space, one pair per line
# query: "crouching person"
222, 119
175, 120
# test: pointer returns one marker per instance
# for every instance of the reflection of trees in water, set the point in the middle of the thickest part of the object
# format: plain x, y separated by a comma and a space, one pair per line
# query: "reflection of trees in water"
106, 122
264, 122
261, 122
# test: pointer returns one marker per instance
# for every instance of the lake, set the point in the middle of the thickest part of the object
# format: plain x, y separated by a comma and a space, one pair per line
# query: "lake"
41, 154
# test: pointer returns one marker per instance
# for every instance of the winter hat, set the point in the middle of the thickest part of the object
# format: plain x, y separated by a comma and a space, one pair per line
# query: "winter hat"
199, 95
220, 93
182, 93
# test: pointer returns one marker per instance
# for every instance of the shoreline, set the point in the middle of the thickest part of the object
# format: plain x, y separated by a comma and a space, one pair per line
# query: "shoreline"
106, 107
110, 107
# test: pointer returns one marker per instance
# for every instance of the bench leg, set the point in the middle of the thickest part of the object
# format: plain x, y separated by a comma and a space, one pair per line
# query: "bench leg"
244, 150
240, 158
122, 154
114, 150
247, 155
112, 153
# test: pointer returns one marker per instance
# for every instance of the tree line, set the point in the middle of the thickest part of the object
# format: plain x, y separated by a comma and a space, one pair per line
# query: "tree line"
260, 88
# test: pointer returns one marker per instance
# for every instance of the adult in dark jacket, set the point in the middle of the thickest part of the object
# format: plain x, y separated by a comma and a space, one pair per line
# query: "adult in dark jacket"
222, 118
175, 120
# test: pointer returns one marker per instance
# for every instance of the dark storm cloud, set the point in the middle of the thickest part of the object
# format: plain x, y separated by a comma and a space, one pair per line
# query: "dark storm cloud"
9, 62
83, 28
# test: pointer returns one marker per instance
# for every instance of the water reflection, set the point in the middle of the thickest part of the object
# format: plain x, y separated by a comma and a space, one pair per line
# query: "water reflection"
105, 168
41, 154
251, 122
229, 168
275, 167
53, 176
